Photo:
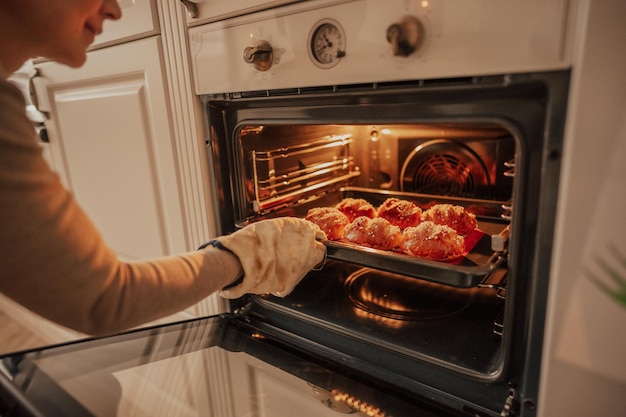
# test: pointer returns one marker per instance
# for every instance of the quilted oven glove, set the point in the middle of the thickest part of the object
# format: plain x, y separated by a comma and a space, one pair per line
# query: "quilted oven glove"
275, 255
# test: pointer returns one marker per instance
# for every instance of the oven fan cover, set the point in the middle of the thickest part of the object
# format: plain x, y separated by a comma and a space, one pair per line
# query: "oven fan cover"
445, 167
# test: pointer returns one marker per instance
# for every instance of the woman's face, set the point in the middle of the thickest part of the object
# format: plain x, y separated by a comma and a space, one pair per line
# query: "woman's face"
61, 30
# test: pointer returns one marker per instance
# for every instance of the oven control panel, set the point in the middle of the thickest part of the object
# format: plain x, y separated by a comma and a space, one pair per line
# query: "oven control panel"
329, 42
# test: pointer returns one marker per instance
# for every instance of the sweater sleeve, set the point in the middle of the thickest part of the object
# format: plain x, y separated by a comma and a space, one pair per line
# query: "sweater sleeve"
54, 262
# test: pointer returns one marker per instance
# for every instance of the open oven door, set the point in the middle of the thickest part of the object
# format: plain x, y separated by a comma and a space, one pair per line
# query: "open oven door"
216, 366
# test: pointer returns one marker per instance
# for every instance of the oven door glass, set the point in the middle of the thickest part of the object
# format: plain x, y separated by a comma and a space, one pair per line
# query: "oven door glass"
208, 367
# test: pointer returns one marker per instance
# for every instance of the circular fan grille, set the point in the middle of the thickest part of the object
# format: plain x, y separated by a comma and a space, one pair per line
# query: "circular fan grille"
444, 174
443, 167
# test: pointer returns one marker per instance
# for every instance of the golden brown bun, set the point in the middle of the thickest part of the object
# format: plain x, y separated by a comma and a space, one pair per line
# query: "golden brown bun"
452, 216
402, 213
433, 241
356, 207
377, 233
330, 220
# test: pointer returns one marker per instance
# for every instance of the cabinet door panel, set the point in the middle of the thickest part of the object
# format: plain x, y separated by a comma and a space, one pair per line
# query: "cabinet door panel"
111, 141
139, 19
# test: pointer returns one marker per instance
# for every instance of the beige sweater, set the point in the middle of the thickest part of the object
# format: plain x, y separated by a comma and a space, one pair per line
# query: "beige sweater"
54, 262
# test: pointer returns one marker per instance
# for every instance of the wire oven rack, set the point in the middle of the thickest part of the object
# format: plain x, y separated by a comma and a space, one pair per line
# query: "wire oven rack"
287, 174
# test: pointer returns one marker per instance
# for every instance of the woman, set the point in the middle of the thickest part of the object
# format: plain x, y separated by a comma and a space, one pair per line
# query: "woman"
53, 260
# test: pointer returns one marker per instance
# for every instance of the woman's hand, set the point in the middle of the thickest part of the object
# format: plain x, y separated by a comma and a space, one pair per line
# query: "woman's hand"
275, 255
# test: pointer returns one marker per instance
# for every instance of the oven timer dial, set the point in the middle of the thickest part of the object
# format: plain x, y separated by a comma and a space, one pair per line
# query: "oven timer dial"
327, 43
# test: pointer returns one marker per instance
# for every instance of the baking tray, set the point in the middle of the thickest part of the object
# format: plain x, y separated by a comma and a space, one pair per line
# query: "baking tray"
469, 272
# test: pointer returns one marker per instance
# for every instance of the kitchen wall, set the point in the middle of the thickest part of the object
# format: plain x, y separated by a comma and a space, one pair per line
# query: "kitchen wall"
584, 372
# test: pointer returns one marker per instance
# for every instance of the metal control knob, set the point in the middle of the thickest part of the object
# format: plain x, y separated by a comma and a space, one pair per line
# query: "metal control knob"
405, 36
261, 55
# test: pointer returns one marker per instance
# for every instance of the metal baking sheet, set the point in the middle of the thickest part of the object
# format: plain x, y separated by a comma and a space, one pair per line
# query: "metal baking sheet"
480, 262
468, 273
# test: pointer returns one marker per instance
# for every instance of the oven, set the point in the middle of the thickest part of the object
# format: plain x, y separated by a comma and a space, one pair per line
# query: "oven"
315, 102
321, 102
466, 331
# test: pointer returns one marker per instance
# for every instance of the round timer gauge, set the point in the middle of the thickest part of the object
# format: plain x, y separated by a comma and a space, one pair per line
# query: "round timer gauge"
327, 43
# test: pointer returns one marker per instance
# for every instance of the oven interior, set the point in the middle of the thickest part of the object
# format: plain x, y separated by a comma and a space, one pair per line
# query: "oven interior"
389, 298
462, 330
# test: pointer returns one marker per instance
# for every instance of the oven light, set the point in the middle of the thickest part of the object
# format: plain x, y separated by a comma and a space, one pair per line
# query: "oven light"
374, 136
425, 3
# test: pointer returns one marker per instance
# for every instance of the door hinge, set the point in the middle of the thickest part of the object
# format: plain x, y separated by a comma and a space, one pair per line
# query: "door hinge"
239, 312
511, 404
243, 310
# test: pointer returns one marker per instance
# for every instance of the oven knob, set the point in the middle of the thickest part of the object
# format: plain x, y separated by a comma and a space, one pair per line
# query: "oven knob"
261, 55
405, 36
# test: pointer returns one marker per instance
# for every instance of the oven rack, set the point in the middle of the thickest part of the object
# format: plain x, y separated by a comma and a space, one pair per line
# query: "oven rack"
286, 174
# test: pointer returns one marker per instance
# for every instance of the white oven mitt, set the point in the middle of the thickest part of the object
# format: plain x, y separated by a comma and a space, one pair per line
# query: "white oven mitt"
275, 255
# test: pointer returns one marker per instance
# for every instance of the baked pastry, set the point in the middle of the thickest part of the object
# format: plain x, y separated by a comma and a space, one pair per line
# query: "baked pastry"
453, 216
377, 233
356, 207
402, 213
433, 241
330, 220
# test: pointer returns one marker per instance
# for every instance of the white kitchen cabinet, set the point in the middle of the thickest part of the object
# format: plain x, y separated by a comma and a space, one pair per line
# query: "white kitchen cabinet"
112, 144
127, 136
139, 19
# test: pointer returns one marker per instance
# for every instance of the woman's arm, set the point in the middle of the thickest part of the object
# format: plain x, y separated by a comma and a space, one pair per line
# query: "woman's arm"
55, 262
